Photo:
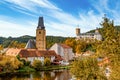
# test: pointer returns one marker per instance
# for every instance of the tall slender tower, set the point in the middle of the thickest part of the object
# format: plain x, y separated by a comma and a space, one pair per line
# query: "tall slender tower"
41, 35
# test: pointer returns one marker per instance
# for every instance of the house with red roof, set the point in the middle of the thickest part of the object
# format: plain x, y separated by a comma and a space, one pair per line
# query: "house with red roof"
32, 54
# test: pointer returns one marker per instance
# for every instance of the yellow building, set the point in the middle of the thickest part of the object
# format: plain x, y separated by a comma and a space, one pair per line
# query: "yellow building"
41, 35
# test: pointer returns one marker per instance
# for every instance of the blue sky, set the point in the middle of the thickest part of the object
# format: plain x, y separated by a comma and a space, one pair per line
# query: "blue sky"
61, 17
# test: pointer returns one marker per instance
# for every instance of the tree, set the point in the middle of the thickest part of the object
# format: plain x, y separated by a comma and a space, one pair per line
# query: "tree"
1, 47
16, 44
87, 69
37, 64
80, 46
72, 43
110, 47
9, 63
47, 62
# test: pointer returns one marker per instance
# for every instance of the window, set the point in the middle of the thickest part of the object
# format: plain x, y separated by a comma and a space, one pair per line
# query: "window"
39, 32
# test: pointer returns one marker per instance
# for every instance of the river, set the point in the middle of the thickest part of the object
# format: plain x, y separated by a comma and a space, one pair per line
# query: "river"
40, 75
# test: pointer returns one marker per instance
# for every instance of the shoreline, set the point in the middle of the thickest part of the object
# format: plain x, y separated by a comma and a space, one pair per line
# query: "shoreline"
45, 68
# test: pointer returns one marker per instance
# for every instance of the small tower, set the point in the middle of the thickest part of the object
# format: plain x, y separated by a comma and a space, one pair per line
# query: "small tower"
41, 35
97, 35
77, 31
97, 31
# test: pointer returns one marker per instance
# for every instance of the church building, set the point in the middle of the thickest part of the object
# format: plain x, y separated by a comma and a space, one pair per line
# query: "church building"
36, 49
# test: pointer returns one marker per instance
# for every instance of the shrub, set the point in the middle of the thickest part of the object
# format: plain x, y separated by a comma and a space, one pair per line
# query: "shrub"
27, 63
47, 62
37, 64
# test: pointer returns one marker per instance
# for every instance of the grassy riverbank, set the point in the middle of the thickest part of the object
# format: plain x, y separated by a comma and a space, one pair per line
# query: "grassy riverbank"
43, 68
30, 69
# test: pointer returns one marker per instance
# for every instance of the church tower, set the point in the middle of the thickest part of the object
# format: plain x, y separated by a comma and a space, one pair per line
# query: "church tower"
41, 35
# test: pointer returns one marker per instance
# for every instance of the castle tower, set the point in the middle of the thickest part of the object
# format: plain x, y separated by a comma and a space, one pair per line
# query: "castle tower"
41, 35
97, 31
97, 35
77, 31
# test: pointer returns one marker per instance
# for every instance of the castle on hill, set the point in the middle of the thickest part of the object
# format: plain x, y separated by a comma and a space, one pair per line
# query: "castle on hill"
96, 35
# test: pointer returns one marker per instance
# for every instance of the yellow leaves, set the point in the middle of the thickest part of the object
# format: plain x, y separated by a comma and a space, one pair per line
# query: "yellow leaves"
16, 44
71, 42
1, 47
37, 64
86, 68
47, 62
10, 63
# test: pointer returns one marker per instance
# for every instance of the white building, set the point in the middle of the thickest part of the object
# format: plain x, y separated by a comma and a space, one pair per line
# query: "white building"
95, 35
64, 51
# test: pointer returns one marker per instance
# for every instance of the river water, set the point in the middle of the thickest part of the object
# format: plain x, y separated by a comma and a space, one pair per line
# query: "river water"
40, 75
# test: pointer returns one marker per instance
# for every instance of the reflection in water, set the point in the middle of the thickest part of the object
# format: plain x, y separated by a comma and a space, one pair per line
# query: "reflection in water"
48, 75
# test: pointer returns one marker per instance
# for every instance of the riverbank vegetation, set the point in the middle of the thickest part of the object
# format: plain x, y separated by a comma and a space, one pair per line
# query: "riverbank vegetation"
10, 64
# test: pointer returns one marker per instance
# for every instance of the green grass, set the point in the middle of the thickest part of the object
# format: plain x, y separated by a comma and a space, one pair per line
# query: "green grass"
54, 67
26, 69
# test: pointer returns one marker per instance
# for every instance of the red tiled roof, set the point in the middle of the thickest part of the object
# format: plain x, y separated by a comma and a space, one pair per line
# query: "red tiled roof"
58, 58
104, 61
27, 53
36, 53
65, 46
24, 53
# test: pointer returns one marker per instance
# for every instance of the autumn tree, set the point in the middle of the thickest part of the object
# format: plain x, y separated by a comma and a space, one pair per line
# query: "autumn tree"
16, 44
1, 47
80, 46
72, 43
110, 44
47, 62
9, 63
87, 69
110, 47
37, 64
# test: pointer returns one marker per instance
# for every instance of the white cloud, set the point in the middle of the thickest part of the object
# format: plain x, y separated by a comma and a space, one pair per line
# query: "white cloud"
103, 7
45, 4
31, 5
57, 21
89, 21
8, 28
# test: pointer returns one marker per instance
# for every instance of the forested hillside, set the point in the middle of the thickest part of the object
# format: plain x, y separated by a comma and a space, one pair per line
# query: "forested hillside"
20, 42
116, 27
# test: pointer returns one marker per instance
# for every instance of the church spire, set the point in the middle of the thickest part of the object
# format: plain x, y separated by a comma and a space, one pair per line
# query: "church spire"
41, 23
